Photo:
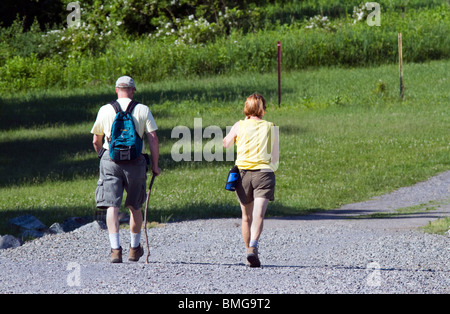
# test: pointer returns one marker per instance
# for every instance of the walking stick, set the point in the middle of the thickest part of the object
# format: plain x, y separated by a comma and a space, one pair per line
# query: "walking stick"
145, 217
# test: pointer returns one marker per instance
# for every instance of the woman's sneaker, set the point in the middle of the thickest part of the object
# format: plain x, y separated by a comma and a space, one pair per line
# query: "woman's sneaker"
252, 257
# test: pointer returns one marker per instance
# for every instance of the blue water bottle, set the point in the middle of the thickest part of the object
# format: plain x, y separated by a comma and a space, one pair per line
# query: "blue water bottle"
233, 177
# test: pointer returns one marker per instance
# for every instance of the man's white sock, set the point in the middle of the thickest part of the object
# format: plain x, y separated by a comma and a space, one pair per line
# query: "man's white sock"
114, 240
135, 239
254, 243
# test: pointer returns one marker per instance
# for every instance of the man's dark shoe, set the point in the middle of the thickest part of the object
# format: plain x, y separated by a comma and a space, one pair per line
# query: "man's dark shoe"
135, 253
116, 255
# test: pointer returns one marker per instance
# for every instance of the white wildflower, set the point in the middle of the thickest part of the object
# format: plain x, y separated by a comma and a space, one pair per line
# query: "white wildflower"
360, 15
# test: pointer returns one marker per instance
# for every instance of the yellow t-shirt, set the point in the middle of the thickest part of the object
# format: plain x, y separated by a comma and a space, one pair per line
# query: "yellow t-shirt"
254, 144
142, 118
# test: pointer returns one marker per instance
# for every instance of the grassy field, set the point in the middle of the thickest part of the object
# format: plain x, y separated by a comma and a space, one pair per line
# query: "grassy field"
345, 136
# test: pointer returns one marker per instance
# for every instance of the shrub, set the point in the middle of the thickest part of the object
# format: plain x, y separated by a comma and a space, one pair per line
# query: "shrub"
76, 57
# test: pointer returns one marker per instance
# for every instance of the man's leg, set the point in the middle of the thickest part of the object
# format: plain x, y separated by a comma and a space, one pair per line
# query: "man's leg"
136, 250
135, 220
112, 222
135, 226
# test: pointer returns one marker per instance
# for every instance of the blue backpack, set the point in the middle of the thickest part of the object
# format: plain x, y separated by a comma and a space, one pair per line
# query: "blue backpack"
125, 143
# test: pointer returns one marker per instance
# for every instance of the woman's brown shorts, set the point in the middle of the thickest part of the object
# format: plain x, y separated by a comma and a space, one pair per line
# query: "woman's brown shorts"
255, 184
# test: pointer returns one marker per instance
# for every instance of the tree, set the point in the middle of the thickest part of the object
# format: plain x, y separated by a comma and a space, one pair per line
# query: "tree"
46, 12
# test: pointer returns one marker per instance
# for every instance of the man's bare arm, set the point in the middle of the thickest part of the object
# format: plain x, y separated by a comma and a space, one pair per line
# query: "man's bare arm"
153, 143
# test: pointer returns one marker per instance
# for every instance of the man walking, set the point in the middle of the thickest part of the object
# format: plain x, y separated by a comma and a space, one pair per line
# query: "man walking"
129, 175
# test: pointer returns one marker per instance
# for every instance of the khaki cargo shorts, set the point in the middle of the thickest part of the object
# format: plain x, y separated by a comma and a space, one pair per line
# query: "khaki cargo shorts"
255, 184
115, 178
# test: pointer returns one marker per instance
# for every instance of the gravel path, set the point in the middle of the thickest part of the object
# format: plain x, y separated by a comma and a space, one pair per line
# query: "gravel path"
325, 252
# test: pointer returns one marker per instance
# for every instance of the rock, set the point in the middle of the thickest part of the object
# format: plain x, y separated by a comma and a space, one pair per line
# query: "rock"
124, 218
73, 223
93, 226
30, 234
27, 222
9, 241
100, 215
56, 228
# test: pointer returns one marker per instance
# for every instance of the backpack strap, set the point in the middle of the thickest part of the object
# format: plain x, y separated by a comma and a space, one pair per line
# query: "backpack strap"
131, 106
130, 109
116, 106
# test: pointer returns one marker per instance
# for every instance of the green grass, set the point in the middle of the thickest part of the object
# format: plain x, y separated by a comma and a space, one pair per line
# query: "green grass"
344, 137
439, 226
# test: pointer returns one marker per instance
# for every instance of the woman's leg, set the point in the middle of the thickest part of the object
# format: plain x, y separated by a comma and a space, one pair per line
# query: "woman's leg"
253, 219
247, 214
259, 210
256, 227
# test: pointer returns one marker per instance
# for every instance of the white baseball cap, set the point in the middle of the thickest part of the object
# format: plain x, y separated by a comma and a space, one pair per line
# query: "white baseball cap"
124, 82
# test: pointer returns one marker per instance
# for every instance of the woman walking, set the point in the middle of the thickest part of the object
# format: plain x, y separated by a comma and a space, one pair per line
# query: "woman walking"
257, 160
